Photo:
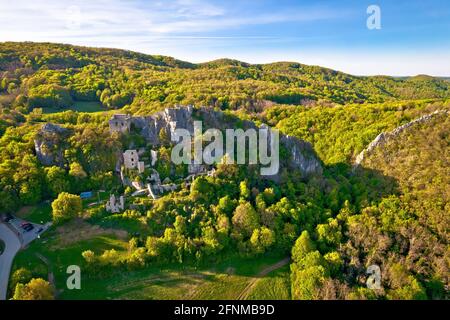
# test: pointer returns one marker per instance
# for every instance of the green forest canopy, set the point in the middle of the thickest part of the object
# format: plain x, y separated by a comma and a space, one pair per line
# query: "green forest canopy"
394, 214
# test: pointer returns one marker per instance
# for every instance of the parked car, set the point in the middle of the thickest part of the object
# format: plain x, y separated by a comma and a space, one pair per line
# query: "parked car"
8, 217
28, 227
25, 225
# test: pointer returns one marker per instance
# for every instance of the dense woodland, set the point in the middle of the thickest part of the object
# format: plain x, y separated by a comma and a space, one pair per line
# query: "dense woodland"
392, 211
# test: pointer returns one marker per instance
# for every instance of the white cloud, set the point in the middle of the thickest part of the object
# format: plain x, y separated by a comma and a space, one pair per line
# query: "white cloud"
184, 29
193, 8
55, 20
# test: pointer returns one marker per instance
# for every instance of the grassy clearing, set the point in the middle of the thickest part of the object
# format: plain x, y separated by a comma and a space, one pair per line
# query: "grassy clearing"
80, 106
40, 213
222, 286
78, 230
224, 280
275, 286
132, 225
61, 258
87, 106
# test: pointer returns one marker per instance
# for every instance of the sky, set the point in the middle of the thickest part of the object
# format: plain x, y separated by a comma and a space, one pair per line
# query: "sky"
413, 36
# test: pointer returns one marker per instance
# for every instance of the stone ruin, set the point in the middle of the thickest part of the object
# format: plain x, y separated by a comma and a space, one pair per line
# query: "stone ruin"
120, 123
154, 157
131, 160
115, 206
155, 187
302, 156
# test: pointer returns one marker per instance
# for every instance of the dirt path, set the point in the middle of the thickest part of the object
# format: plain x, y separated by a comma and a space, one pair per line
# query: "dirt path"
51, 276
244, 294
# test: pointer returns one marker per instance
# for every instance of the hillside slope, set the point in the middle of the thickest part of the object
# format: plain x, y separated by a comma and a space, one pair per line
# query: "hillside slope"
340, 133
55, 75
409, 235
418, 156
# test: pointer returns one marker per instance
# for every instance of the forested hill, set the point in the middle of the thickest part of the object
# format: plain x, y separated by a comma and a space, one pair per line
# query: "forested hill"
391, 212
58, 76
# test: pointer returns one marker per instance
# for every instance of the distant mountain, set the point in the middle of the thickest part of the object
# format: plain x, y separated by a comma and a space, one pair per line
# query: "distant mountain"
58, 75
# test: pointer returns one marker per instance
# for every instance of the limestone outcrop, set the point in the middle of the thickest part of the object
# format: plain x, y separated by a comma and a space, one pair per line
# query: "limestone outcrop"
168, 120
302, 156
384, 137
49, 144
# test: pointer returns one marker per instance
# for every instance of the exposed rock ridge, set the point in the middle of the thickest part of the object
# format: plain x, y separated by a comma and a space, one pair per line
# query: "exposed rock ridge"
384, 137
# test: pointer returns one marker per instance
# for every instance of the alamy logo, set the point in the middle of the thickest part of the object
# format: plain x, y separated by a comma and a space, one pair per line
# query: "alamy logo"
374, 20
259, 146
74, 280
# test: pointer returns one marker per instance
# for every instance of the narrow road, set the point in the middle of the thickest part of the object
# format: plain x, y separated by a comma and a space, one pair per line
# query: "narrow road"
244, 294
15, 238
12, 246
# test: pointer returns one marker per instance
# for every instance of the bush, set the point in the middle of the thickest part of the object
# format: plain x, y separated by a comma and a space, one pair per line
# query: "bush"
66, 207
36, 289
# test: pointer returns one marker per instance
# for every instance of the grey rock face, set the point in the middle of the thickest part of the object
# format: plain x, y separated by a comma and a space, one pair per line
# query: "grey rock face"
302, 156
48, 144
170, 119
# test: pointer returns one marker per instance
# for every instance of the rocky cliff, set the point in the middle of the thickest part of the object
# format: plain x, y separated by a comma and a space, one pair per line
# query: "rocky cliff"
169, 120
48, 144
301, 153
50, 140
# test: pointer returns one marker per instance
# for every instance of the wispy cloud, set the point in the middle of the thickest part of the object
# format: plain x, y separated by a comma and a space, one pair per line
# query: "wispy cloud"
230, 22
308, 31
40, 20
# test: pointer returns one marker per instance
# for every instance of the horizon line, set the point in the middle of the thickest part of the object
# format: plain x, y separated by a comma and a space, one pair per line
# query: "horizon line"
443, 77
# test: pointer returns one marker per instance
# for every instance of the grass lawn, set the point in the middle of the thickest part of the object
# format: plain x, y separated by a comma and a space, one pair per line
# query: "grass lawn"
132, 225
87, 106
223, 281
80, 106
40, 213
61, 258
275, 286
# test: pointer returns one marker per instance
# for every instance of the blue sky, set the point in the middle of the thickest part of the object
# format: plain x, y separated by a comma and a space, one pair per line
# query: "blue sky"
414, 37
